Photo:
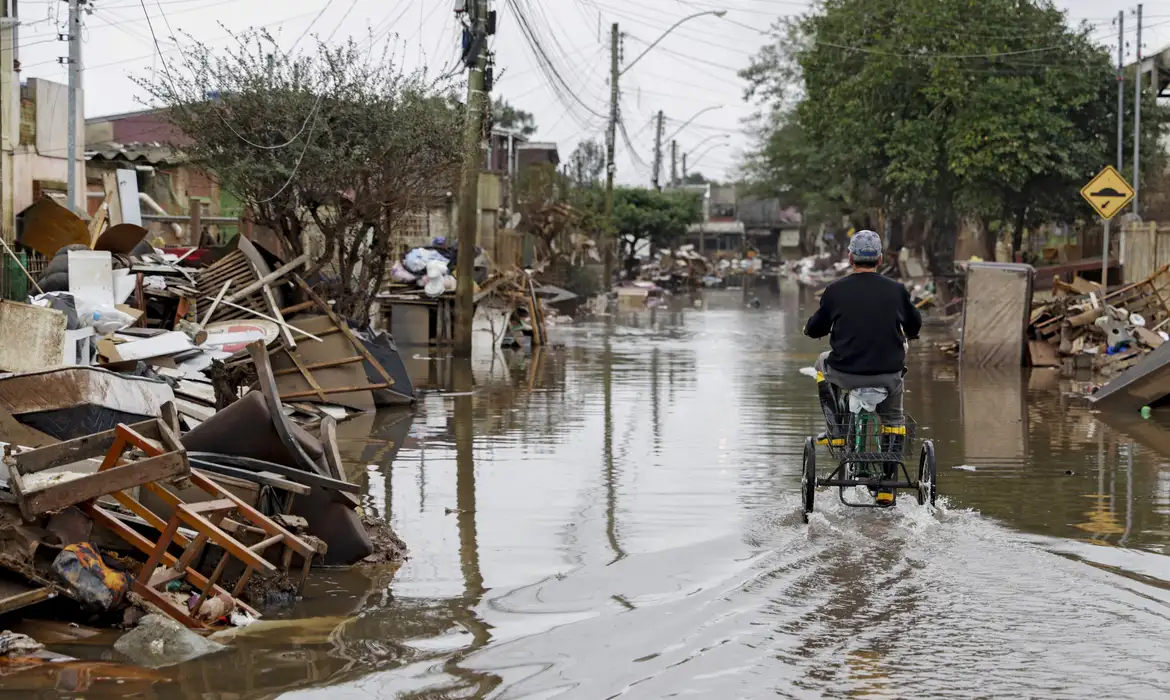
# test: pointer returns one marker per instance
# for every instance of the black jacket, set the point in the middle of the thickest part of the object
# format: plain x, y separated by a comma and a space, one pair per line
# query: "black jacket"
868, 318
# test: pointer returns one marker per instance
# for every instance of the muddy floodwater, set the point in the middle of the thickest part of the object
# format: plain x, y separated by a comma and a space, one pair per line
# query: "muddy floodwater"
619, 518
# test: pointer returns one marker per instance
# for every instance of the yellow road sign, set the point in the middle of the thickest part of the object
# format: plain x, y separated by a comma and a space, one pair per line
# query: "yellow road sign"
1108, 193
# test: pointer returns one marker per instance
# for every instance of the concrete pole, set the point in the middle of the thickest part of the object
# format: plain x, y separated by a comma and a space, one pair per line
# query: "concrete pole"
469, 189
1137, 116
610, 138
75, 201
658, 152
674, 163
1120, 91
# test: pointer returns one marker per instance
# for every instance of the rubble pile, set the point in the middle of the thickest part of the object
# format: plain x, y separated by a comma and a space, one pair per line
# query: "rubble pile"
815, 271
683, 268
431, 269
1083, 328
168, 422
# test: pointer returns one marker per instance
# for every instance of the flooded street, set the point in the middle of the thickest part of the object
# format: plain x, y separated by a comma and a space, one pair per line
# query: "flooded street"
620, 518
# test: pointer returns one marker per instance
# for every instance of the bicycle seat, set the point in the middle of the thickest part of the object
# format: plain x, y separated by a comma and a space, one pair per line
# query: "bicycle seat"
866, 399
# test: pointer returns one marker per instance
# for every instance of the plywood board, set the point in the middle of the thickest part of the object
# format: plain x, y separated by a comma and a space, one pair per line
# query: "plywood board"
49, 227
334, 346
32, 338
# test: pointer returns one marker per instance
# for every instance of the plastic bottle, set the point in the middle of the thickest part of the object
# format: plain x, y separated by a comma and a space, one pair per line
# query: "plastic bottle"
1146, 412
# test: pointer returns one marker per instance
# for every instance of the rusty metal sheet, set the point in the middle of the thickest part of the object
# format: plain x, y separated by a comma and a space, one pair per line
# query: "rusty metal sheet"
120, 239
49, 227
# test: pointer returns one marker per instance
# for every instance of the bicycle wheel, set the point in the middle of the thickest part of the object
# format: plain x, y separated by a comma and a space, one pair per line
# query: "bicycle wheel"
808, 476
927, 475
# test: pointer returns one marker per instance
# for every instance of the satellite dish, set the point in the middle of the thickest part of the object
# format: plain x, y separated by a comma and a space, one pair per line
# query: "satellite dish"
514, 220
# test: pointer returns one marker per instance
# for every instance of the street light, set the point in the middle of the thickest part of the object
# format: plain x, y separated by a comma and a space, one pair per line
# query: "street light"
611, 136
695, 148
688, 122
717, 13
709, 149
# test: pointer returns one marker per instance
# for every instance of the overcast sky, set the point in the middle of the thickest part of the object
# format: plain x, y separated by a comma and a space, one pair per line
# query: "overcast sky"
693, 69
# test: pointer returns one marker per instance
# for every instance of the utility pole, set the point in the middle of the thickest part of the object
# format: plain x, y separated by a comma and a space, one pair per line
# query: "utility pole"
674, 163
684, 166
74, 61
1120, 91
610, 138
1137, 115
473, 138
1120, 142
658, 152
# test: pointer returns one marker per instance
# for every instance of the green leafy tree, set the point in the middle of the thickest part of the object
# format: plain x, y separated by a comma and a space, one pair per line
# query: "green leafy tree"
914, 115
506, 116
697, 178
646, 214
587, 163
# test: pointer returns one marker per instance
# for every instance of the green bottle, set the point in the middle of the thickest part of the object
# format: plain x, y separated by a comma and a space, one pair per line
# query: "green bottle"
1146, 412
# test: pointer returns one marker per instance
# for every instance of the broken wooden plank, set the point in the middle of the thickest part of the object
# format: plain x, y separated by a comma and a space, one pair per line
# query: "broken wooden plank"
1043, 354
92, 486
271, 277
344, 328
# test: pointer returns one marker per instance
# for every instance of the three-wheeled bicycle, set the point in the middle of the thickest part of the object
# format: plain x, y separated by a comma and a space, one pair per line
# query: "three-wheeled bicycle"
868, 454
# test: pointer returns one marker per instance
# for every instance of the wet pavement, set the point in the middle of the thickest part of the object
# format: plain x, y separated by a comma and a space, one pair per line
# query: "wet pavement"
619, 518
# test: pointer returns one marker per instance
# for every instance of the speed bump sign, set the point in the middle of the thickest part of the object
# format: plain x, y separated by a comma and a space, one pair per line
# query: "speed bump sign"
1108, 193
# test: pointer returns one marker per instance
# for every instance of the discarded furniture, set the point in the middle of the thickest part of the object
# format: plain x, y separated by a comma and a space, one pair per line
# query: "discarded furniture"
255, 428
208, 519
113, 476
1143, 384
386, 357
1086, 328
416, 320
249, 275
996, 314
72, 402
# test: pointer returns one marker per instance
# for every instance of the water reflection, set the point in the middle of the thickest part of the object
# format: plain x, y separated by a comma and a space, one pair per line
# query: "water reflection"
679, 566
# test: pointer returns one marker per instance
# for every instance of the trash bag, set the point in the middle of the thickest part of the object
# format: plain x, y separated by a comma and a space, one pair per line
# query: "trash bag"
399, 273
417, 259
436, 269
434, 286
89, 580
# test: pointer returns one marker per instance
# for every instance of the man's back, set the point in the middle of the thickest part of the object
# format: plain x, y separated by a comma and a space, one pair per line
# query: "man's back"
868, 318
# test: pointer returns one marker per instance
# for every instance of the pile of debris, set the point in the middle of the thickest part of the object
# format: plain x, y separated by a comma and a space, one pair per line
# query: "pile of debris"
513, 311
1084, 328
169, 434
430, 269
684, 268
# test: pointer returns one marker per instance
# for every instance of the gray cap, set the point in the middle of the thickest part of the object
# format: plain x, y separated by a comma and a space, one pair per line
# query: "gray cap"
865, 246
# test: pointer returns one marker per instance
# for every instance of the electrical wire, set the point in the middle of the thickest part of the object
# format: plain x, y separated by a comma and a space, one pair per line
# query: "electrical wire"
561, 88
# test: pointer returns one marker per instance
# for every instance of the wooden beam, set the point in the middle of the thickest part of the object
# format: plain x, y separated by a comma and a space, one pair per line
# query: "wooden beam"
87, 488
336, 390
214, 304
23, 600
344, 328
269, 278
318, 365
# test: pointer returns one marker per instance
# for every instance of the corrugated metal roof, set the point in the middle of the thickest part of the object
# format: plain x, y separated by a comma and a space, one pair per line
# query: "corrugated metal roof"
150, 153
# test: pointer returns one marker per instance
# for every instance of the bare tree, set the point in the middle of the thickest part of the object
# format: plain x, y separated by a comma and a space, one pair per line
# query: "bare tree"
333, 149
